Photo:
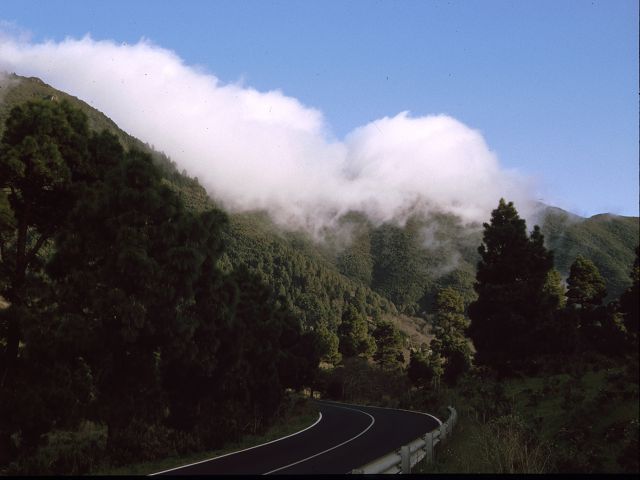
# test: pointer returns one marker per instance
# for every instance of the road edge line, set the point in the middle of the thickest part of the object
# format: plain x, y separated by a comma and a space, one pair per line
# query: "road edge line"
386, 408
332, 448
239, 451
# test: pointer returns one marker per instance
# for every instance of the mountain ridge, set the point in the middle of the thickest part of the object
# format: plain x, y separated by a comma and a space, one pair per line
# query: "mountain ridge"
404, 265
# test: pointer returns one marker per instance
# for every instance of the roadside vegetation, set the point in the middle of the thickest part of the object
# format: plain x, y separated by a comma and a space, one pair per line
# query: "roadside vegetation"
580, 418
298, 415
552, 383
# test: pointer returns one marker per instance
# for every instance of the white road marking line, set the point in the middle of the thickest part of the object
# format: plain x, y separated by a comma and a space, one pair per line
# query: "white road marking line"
244, 450
389, 408
373, 420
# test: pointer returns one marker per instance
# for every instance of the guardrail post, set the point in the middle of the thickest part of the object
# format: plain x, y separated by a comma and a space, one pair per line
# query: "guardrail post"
453, 418
405, 459
428, 446
390, 462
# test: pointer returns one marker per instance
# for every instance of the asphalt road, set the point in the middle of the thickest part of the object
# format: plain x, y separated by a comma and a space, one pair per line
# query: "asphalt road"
345, 437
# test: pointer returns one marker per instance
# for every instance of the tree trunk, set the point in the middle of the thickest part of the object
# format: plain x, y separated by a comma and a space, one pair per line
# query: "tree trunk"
16, 298
13, 343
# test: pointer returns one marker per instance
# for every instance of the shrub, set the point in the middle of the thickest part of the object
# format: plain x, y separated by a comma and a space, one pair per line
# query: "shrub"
140, 441
65, 452
508, 446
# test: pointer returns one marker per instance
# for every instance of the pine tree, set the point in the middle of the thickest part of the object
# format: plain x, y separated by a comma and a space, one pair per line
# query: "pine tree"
555, 288
43, 149
425, 367
449, 326
327, 344
586, 287
388, 340
512, 304
354, 335
450, 311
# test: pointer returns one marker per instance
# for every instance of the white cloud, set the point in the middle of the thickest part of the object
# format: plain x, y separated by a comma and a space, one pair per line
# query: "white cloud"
265, 150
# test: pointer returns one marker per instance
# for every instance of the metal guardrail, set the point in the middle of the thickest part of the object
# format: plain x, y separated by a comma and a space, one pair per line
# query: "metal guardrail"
407, 456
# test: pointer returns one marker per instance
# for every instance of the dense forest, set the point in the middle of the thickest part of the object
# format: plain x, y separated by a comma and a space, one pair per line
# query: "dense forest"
138, 319
117, 312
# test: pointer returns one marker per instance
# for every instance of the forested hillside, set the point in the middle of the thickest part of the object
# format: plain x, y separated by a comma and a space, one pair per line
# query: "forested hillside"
139, 319
607, 240
119, 332
405, 264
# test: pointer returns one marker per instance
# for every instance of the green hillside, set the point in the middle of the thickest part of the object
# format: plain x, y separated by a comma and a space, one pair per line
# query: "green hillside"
289, 262
607, 240
405, 266
409, 264
21, 89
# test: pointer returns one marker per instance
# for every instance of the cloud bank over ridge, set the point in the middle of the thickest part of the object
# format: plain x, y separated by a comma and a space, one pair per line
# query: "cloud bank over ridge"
265, 150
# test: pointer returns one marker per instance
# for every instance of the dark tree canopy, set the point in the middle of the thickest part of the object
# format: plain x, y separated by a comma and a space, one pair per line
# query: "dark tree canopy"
42, 151
512, 303
586, 287
425, 367
450, 311
118, 311
327, 344
389, 344
353, 333
449, 326
630, 301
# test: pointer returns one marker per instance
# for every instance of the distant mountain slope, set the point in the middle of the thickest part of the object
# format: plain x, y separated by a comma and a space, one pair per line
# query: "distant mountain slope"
15, 89
608, 240
408, 264
384, 266
297, 269
19, 89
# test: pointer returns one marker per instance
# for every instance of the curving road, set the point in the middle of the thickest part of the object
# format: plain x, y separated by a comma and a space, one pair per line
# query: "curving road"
344, 437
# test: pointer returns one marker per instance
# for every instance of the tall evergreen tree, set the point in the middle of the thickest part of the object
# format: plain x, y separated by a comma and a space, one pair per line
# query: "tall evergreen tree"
425, 367
354, 334
43, 149
124, 273
327, 344
512, 304
450, 311
388, 340
586, 287
449, 326
555, 288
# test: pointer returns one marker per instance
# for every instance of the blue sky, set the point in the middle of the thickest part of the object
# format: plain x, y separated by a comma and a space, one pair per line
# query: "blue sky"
552, 85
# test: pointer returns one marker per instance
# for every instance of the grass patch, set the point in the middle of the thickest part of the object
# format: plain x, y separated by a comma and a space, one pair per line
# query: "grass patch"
502, 445
302, 417
456, 455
